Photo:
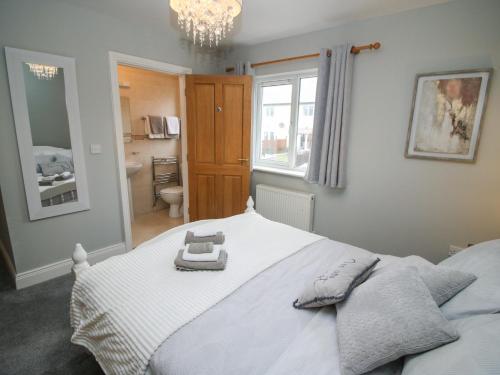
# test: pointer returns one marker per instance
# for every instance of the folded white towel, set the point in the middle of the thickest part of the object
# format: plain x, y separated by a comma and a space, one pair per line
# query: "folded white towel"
173, 125
204, 257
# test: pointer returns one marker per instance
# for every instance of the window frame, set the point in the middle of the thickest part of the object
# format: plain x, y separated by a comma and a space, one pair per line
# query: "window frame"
260, 82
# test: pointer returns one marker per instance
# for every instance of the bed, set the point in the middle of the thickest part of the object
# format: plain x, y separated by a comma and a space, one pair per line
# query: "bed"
58, 191
138, 315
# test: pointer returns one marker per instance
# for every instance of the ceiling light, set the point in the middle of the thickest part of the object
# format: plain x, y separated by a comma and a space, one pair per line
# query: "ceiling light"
206, 21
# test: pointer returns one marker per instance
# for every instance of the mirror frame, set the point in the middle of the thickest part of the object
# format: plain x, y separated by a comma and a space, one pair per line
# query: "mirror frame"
15, 58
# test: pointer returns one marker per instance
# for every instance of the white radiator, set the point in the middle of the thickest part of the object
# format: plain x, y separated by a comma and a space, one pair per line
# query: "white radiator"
290, 207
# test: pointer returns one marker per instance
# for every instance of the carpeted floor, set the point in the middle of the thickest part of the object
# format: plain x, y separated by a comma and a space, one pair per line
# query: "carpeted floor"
35, 332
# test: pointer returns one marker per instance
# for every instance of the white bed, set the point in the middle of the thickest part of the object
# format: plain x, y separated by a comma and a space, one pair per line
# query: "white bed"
138, 315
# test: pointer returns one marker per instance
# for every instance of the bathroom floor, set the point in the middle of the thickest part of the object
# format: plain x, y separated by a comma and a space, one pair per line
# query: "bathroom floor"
147, 226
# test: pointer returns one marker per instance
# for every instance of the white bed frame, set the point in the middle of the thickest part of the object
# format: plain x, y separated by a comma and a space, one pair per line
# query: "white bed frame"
80, 262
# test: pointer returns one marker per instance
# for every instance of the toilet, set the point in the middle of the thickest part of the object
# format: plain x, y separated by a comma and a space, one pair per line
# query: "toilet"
173, 196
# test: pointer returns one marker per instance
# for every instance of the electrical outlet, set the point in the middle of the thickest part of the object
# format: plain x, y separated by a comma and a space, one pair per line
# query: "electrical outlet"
453, 249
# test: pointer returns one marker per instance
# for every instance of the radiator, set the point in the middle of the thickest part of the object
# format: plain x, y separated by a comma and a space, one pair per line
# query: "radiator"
290, 207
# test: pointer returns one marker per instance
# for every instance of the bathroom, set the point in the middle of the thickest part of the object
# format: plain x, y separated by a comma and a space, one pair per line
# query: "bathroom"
151, 112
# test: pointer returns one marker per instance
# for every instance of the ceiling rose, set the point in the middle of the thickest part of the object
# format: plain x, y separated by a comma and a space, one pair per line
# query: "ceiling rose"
206, 21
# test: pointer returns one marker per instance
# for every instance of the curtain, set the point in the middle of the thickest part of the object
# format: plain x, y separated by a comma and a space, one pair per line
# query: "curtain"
242, 68
331, 118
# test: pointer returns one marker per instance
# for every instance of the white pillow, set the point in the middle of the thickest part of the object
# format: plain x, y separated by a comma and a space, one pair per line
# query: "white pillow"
477, 351
483, 296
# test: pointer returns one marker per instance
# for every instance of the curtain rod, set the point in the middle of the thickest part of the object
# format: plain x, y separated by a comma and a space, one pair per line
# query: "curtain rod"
355, 50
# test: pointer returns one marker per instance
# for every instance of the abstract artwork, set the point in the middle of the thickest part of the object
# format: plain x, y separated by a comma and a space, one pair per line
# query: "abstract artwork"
446, 115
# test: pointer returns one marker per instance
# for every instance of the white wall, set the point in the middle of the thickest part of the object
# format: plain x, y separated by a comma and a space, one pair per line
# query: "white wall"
61, 27
392, 204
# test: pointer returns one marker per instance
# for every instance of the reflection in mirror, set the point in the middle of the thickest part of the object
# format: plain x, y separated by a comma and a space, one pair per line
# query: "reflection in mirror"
50, 133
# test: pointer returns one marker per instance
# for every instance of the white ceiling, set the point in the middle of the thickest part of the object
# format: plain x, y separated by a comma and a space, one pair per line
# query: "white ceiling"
264, 20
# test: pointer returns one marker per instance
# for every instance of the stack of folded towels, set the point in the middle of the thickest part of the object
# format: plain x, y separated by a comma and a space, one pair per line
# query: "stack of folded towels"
203, 252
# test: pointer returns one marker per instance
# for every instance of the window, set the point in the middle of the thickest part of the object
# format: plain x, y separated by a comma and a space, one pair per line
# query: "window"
284, 120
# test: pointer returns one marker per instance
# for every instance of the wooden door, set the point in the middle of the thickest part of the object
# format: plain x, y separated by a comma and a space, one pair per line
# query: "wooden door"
218, 127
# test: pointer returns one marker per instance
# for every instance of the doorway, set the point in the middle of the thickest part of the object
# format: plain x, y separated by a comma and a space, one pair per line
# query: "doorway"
167, 166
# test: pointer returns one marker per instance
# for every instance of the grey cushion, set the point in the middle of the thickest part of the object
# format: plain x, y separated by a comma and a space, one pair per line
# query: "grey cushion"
390, 315
475, 353
483, 296
335, 284
56, 167
443, 282
43, 159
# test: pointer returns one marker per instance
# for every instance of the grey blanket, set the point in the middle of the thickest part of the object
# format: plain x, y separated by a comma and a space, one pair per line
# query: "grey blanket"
256, 331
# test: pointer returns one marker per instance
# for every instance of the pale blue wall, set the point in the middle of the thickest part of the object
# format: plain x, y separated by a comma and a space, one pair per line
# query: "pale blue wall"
392, 204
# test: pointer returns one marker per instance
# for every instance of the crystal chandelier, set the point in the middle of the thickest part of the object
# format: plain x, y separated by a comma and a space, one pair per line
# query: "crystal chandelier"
206, 21
43, 71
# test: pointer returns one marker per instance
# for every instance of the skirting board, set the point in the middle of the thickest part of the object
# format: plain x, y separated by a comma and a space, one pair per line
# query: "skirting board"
8, 260
63, 267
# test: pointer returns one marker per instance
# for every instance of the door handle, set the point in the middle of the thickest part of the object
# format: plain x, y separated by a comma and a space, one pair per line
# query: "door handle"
243, 160
218, 108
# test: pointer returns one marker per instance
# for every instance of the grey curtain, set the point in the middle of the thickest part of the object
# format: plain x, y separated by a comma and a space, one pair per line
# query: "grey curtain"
331, 118
242, 68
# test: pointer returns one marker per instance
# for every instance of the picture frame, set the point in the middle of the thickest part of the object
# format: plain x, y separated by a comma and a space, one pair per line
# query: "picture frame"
446, 115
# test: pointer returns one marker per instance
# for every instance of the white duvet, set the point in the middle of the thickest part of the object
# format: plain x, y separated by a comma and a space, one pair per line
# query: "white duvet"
122, 309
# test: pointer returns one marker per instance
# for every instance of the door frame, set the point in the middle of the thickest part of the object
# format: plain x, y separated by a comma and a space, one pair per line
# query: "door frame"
115, 59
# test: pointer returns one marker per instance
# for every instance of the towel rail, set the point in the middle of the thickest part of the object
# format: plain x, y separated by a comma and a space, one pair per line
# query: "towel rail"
163, 177
163, 161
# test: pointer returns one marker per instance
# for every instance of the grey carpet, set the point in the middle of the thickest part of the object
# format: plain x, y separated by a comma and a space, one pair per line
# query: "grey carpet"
35, 332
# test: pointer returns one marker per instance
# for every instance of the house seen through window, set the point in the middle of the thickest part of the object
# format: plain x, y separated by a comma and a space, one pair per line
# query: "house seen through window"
284, 120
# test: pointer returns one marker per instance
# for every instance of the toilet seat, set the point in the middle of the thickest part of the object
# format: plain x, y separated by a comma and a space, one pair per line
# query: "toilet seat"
171, 190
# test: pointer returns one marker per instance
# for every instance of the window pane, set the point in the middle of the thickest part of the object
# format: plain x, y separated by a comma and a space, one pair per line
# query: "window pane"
308, 90
305, 121
275, 123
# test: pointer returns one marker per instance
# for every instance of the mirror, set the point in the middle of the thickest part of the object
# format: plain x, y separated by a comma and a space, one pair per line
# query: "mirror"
126, 119
45, 105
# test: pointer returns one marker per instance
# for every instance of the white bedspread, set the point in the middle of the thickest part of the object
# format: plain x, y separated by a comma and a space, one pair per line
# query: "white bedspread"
122, 309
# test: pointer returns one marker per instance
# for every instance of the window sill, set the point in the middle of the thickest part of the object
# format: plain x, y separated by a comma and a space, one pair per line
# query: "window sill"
285, 172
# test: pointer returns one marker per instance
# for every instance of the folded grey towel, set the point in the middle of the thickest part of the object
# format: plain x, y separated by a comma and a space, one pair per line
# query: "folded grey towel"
184, 265
156, 124
217, 238
200, 247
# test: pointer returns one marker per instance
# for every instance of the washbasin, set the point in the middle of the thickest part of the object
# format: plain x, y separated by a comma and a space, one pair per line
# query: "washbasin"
132, 167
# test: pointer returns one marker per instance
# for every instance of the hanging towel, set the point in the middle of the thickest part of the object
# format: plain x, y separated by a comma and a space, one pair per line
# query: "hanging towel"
147, 130
156, 124
173, 125
205, 257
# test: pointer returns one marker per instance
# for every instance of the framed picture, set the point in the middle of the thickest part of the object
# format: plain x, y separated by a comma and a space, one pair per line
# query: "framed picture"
446, 115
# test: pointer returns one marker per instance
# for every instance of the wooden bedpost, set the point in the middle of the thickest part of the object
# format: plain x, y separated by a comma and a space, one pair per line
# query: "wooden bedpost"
250, 205
79, 260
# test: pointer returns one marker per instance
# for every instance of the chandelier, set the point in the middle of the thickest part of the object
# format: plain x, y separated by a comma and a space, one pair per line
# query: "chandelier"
206, 21
43, 71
